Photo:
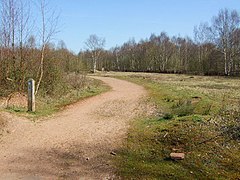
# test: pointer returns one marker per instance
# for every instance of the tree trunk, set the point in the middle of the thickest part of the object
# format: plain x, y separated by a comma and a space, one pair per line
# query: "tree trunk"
225, 63
40, 69
94, 65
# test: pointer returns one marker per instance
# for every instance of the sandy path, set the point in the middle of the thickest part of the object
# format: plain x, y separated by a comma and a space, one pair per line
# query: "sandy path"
75, 143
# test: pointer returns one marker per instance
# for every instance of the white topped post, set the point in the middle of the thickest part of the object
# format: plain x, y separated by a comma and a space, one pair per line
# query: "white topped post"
31, 95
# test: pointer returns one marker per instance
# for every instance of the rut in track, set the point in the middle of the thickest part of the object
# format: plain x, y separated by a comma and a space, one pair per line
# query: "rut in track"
75, 143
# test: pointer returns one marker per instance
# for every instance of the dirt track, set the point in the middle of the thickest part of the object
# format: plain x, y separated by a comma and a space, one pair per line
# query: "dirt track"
75, 143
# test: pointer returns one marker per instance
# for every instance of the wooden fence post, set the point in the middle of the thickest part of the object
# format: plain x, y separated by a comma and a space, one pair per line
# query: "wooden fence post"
31, 95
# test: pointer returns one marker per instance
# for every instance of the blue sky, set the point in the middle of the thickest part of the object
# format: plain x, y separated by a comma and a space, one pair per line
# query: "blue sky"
118, 21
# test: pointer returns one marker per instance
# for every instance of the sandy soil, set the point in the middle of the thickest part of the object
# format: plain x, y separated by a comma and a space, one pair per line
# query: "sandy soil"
75, 143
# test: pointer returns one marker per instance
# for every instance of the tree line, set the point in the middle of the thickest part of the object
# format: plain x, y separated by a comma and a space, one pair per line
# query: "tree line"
27, 49
214, 50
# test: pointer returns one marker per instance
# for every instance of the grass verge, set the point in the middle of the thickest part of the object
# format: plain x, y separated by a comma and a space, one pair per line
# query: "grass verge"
48, 105
189, 119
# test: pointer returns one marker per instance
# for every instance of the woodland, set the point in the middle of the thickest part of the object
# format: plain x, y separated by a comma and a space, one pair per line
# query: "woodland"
28, 50
214, 50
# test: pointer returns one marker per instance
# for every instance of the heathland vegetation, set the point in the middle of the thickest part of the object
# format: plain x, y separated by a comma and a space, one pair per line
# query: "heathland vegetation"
195, 115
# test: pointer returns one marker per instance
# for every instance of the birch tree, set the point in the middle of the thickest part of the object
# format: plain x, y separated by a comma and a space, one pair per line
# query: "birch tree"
49, 22
224, 25
95, 44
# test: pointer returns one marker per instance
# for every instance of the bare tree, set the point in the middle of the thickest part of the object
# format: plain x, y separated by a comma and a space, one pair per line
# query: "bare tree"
202, 37
61, 45
24, 30
95, 44
223, 27
8, 23
49, 22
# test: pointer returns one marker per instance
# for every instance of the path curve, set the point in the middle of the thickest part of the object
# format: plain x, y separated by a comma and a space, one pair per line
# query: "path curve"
75, 143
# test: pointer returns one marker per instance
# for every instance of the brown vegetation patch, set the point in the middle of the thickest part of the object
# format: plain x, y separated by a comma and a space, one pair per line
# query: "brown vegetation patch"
2, 124
195, 99
16, 100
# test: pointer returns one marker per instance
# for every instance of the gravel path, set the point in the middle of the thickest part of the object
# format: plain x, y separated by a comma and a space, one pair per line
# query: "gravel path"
75, 143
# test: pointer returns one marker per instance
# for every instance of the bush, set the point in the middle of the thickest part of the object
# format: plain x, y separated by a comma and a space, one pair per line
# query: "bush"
76, 80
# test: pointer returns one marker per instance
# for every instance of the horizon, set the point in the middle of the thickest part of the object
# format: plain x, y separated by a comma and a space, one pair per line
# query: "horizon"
118, 22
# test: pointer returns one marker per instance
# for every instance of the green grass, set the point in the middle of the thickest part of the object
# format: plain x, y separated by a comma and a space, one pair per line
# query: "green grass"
48, 105
183, 122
